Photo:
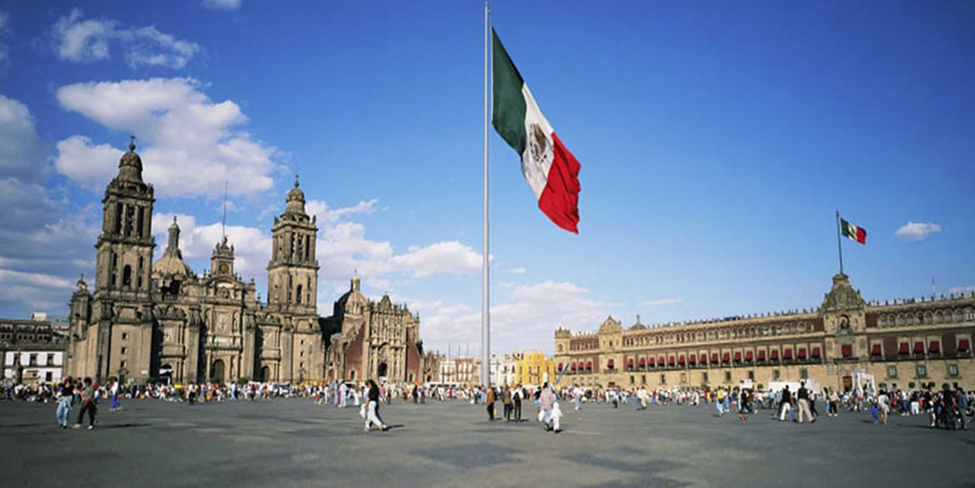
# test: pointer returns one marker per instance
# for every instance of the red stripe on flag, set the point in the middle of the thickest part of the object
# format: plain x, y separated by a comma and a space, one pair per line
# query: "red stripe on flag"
861, 235
560, 198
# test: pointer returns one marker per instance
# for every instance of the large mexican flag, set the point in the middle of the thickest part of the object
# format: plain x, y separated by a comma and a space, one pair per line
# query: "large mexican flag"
551, 170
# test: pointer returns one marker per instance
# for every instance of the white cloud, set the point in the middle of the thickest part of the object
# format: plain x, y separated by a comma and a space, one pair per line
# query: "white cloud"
661, 302
181, 132
88, 40
442, 257
517, 271
34, 279
917, 231
4, 32
526, 318
89, 165
21, 154
328, 215
222, 4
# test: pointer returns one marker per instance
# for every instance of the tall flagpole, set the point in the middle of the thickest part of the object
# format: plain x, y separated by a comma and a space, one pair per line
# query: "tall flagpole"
486, 282
839, 242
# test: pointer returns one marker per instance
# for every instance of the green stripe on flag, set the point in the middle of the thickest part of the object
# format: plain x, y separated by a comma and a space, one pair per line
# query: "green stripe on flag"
508, 115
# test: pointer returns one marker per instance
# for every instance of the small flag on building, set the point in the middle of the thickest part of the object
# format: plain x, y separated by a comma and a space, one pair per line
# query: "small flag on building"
551, 170
853, 232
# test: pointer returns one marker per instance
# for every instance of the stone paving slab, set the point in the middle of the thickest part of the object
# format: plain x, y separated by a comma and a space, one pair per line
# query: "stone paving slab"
295, 443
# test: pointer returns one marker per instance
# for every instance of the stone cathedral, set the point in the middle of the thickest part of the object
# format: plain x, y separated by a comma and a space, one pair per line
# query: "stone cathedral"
163, 321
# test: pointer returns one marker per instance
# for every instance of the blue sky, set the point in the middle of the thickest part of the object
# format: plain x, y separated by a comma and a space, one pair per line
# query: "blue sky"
716, 139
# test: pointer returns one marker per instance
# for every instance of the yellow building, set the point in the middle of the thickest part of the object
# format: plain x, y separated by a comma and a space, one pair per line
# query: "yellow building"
533, 368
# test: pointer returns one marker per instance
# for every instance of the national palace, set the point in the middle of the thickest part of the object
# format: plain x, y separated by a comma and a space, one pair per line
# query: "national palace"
144, 320
905, 343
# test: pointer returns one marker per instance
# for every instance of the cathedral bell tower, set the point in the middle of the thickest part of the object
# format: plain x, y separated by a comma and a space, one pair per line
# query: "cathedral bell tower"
125, 246
293, 269
122, 302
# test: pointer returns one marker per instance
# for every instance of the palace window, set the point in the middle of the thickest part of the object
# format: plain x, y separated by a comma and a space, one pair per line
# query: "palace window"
704, 377
50, 359
891, 371
663, 379
776, 375
33, 360
751, 375
953, 370
643, 379
803, 374
727, 376
922, 371
122, 364
124, 350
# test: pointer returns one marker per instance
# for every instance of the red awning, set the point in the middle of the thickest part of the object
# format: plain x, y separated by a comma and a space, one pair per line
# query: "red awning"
816, 353
609, 364
737, 356
661, 361
877, 350
903, 349
670, 360
643, 362
963, 345
704, 359
573, 366
681, 360
629, 362
775, 354
726, 357
589, 365
652, 362
802, 353
691, 359
918, 348
748, 356
761, 355
560, 366
714, 358
934, 347
847, 351
787, 354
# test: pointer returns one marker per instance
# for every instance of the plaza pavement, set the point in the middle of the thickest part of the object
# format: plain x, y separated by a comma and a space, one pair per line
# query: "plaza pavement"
292, 443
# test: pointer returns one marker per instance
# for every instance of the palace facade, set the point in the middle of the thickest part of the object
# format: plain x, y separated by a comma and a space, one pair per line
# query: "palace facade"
906, 344
163, 321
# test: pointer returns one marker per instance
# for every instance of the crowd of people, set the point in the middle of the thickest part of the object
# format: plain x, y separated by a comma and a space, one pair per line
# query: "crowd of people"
945, 409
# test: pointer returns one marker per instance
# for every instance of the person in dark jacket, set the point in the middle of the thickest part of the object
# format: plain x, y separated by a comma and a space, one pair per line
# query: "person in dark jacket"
372, 408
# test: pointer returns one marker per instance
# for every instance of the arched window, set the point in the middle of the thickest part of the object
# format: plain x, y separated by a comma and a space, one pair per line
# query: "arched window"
298, 295
126, 276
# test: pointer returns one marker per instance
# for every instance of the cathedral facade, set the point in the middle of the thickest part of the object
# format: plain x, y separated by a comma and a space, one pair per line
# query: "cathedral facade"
904, 343
161, 320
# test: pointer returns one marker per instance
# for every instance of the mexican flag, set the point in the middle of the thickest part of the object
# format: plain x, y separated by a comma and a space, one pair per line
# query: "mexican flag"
855, 233
551, 170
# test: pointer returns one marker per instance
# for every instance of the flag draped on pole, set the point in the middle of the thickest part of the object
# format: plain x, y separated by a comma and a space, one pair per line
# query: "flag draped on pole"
551, 170
853, 232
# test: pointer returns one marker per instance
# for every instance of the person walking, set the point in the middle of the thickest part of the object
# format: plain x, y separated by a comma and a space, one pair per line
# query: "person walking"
490, 399
372, 408
546, 401
785, 405
113, 392
556, 417
66, 390
507, 402
516, 397
744, 405
802, 397
87, 392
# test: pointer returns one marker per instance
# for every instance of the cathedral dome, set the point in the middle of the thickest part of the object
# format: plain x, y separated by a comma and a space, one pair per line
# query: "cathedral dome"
172, 265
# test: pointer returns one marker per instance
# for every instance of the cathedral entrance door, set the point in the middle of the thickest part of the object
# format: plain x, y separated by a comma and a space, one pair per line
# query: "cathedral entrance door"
847, 383
216, 372
383, 370
166, 374
265, 375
